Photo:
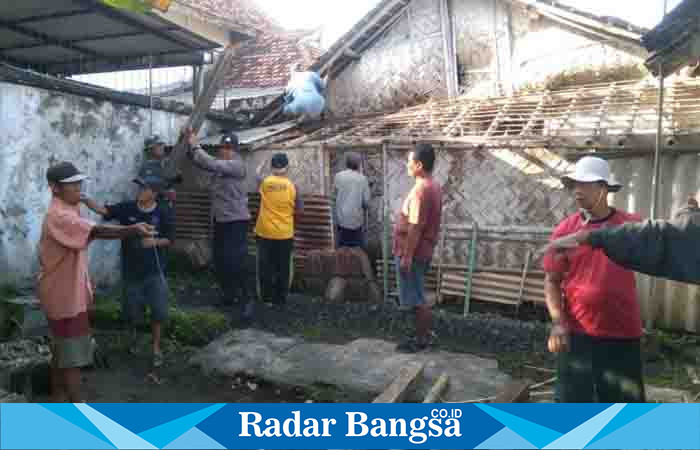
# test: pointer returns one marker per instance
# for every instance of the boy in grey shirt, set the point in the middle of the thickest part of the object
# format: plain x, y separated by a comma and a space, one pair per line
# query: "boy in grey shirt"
351, 201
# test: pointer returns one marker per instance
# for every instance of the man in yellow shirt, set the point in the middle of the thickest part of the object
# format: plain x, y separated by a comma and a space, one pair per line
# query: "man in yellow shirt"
274, 230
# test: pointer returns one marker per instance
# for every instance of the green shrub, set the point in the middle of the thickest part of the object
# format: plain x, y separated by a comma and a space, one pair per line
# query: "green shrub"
195, 327
186, 327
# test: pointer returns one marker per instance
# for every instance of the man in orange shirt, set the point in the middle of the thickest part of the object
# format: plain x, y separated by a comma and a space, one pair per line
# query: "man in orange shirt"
64, 283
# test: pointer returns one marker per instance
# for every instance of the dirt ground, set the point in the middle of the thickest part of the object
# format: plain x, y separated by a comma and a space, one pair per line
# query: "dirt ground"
131, 379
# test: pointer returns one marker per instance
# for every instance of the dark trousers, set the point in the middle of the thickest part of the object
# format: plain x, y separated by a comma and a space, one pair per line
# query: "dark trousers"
230, 254
274, 269
350, 238
605, 370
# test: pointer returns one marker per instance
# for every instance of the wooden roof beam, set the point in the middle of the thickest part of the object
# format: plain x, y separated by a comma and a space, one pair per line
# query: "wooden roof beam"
178, 15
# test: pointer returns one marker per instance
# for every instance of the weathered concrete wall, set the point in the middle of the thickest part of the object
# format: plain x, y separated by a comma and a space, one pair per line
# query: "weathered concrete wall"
38, 128
405, 64
500, 47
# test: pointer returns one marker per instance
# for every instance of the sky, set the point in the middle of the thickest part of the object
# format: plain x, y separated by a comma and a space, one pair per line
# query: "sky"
334, 16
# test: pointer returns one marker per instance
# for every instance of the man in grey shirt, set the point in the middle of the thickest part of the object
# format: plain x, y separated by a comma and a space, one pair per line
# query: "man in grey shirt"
230, 215
351, 201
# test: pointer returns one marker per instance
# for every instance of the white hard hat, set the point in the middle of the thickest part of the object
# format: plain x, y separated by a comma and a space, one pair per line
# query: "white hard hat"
591, 169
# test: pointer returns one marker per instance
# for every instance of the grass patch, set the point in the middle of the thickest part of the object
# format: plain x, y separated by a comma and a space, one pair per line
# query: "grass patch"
196, 328
191, 328
181, 273
311, 332
8, 291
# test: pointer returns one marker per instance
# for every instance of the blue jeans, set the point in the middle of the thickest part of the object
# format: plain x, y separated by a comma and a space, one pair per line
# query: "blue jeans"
412, 283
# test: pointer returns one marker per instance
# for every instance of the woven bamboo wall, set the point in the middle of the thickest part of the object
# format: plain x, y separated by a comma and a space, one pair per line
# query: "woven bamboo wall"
304, 168
400, 69
501, 47
542, 48
372, 169
480, 187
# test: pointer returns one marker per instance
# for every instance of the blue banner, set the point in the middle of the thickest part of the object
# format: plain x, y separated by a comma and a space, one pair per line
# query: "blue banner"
352, 426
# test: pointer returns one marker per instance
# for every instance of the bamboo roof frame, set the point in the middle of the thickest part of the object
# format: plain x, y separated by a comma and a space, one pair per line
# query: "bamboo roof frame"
617, 118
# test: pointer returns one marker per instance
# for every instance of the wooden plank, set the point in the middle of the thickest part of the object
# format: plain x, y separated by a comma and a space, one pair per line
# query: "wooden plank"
516, 392
482, 269
397, 390
438, 388
203, 105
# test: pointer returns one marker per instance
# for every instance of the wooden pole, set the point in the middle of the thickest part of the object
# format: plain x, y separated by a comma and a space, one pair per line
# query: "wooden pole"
441, 256
526, 267
656, 180
385, 223
448, 50
204, 102
472, 264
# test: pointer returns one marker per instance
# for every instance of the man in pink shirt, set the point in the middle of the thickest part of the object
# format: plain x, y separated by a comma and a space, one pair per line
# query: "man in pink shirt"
64, 283
593, 302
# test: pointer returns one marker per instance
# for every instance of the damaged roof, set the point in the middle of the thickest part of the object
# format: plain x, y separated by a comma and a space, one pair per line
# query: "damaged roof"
621, 115
265, 61
361, 36
675, 42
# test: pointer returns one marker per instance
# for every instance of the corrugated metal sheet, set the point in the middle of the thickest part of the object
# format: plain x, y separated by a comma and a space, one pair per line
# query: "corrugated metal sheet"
192, 215
314, 225
71, 37
254, 134
671, 304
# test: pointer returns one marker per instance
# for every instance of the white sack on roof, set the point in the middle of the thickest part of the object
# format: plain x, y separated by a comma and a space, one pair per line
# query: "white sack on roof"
304, 95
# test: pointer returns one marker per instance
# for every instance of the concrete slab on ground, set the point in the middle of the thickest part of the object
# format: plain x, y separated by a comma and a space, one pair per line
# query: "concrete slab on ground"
363, 365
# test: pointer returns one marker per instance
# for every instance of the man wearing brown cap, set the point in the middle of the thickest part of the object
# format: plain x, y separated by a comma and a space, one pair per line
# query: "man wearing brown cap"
65, 290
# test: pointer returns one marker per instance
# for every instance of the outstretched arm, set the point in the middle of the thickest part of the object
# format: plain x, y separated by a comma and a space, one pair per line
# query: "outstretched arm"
116, 232
94, 206
232, 168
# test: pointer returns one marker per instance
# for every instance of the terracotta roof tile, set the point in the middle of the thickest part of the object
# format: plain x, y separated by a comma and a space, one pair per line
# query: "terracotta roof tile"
265, 61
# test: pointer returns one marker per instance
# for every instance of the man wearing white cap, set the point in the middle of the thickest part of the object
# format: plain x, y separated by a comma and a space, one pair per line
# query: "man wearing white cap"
593, 301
